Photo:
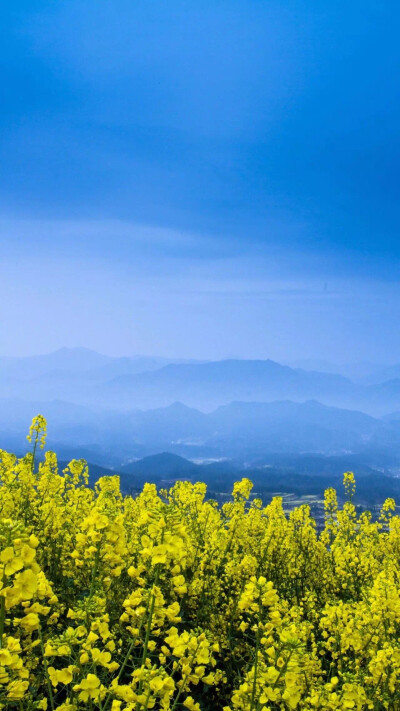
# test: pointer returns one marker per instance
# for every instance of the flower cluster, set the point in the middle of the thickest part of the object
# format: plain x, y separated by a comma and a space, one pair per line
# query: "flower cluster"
166, 601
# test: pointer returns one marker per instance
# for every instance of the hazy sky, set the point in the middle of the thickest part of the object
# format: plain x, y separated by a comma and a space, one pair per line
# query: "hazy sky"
201, 179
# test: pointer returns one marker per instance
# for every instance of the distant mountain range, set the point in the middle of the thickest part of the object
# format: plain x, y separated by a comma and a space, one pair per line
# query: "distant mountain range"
240, 431
90, 379
207, 385
70, 374
113, 411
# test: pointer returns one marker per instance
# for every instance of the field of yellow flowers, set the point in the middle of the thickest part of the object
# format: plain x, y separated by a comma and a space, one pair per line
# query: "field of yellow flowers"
167, 601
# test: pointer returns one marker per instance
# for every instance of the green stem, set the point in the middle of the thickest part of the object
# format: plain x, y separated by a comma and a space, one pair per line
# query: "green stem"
282, 671
179, 693
193, 661
253, 691
2, 618
122, 667
95, 566
34, 451
147, 700
148, 629
49, 687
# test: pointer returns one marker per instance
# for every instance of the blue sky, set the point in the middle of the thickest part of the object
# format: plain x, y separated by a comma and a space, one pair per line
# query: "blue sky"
201, 179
